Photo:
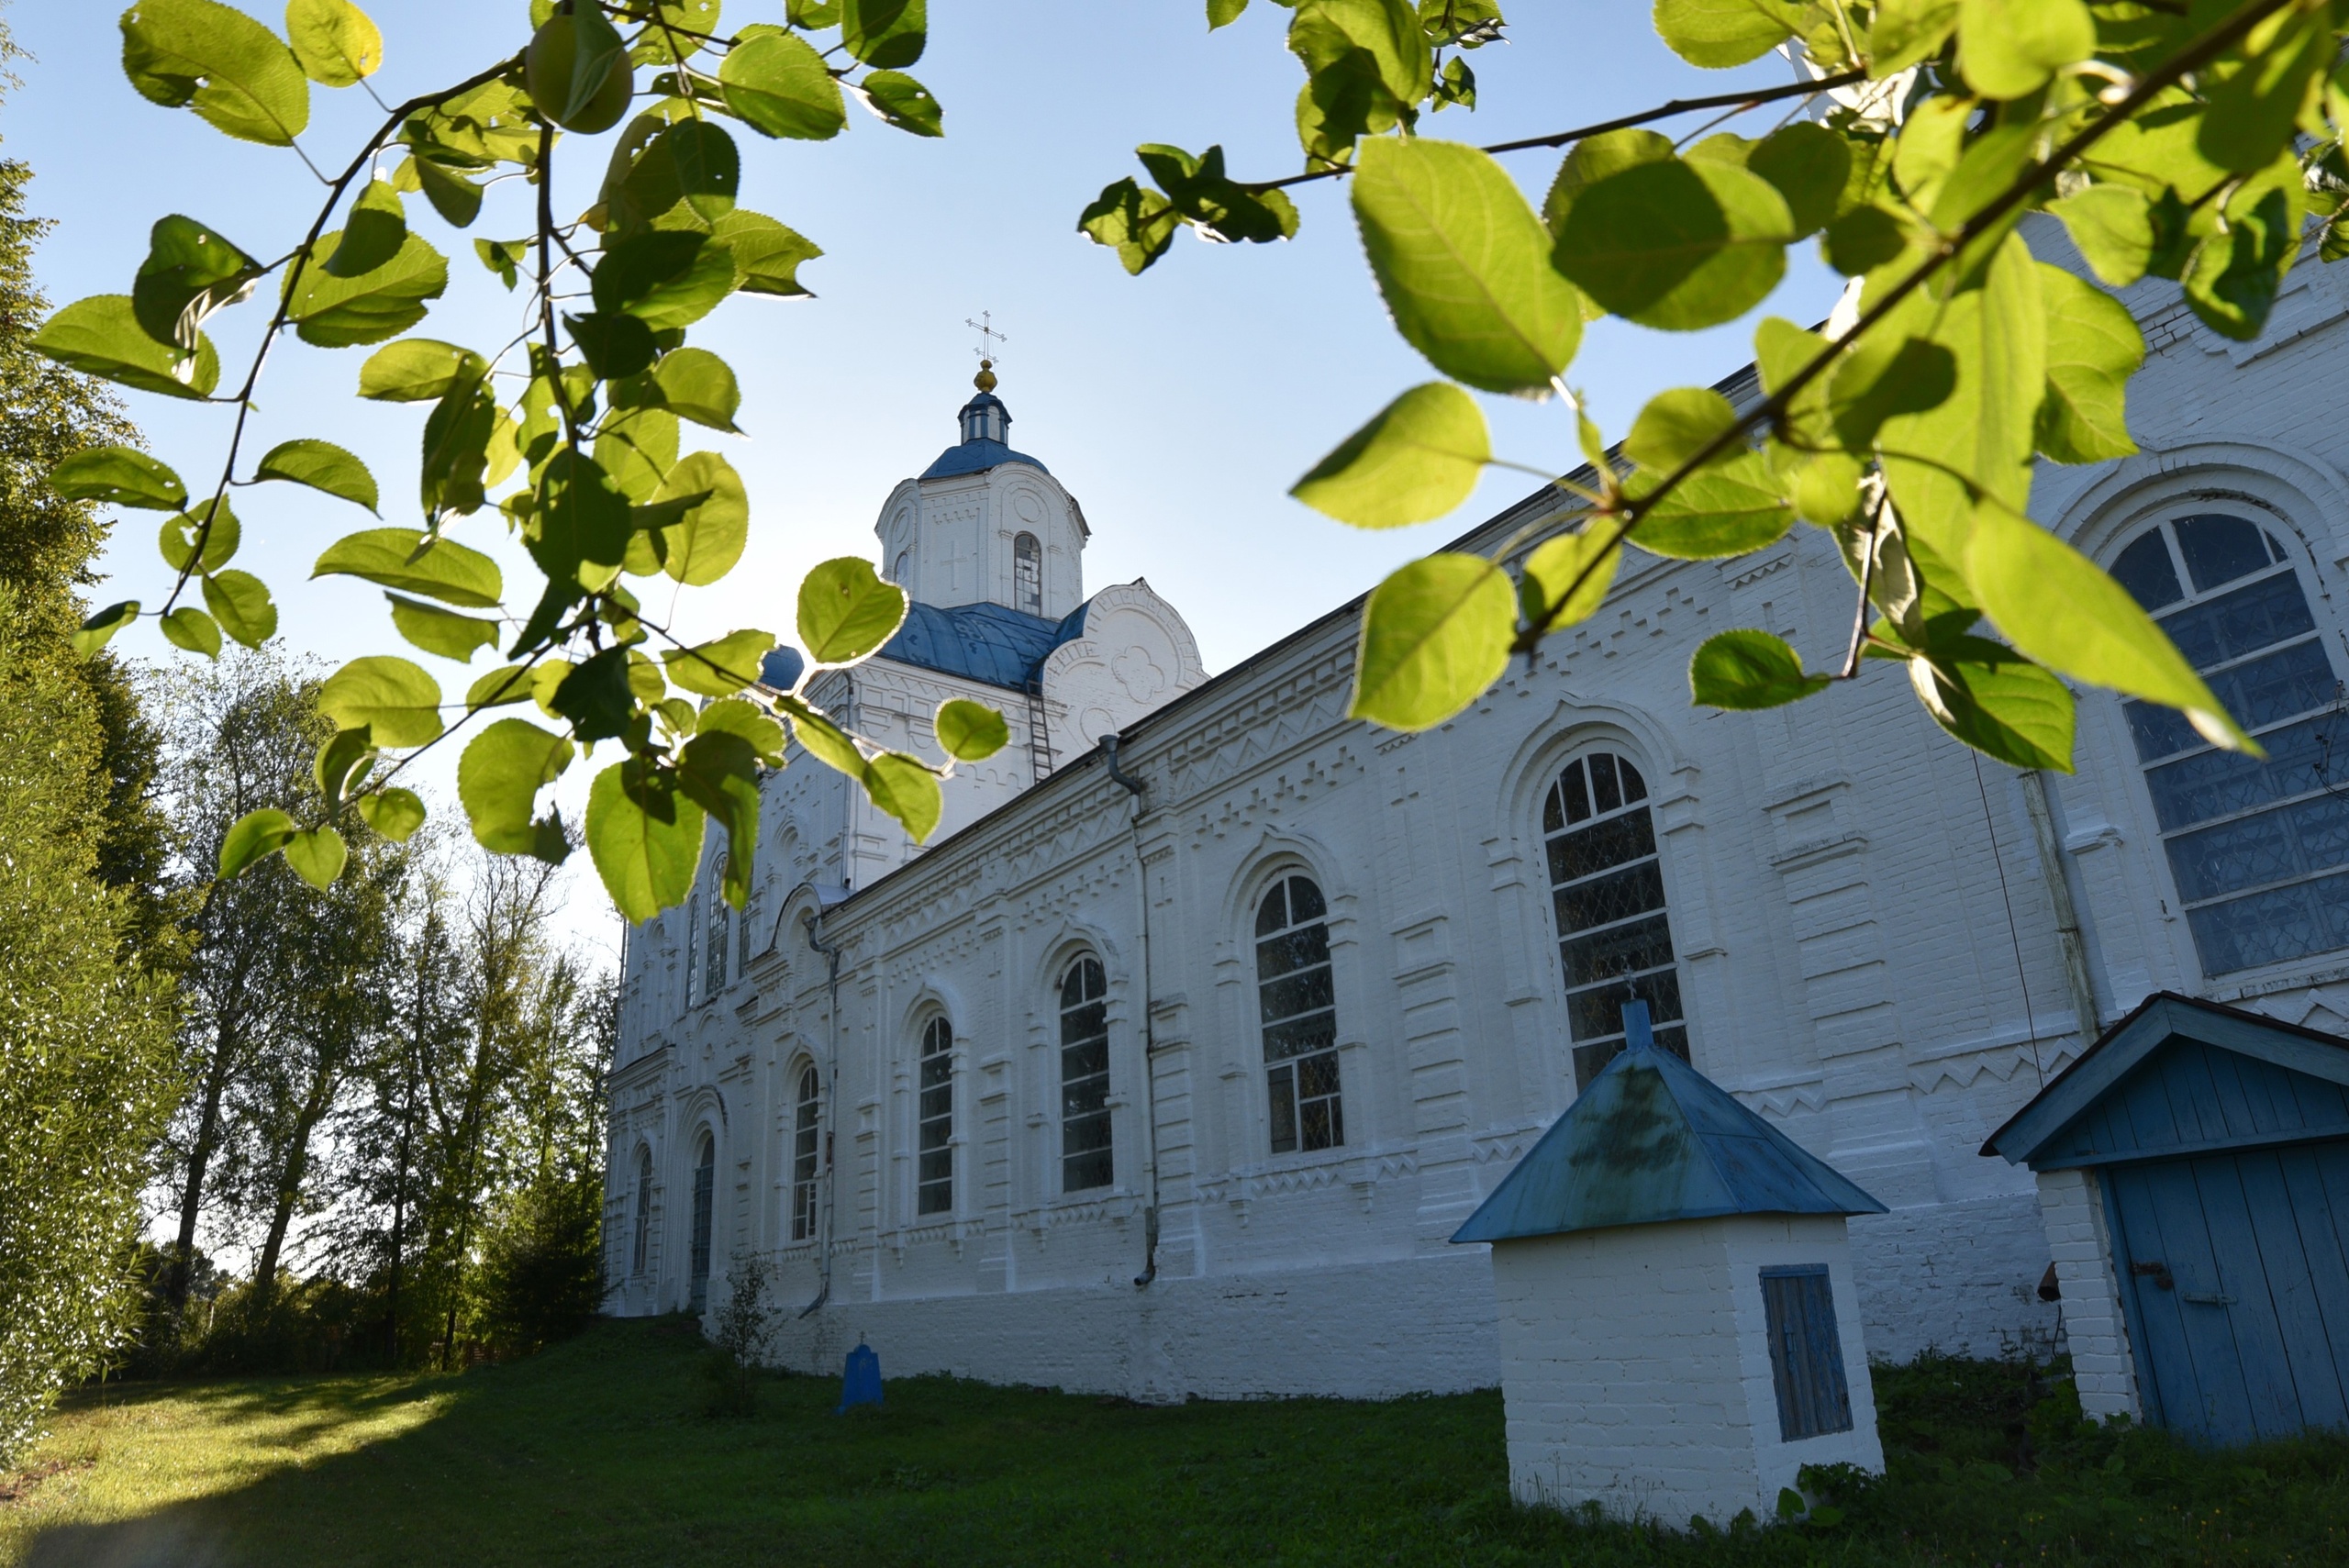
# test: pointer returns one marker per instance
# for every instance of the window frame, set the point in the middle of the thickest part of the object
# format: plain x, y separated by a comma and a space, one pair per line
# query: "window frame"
934, 1161
1099, 1112
641, 1247
703, 1240
718, 932
1287, 1109
807, 1164
1023, 592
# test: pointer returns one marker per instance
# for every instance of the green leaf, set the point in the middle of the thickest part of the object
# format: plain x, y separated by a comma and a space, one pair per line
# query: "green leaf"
577, 70
1206, 198
2058, 607
637, 448
100, 335
736, 717
694, 162
120, 476
906, 790
1593, 159
1138, 223
1548, 594
419, 369
822, 740
645, 838
452, 192
1462, 261
1418, 457
1729, 509
395, 699
847, 612
321, 465
2255, 106
720, 772
1811, 165
777, 83
903, 102
253, 837
1996, 701
316, 855
1718, 33
342, 763
506, 258
498, 780
1678, 425
615, 347
395, 813
970, 732
337, 313
1224, 13
720, 668
664, 278
178, 536
767, 255
696, 384
703, 545
190, 273
240, 603
1907, 31
507, 684
98, 630
884, 34
457, 437
2113, 228
1676, 244
416, 562
2006, 49
1749, 670
191, 629
2093, 348
216, 59
372, 235
1434, 635
596, 696
2233, 277
583, 526
441, 631
334, 42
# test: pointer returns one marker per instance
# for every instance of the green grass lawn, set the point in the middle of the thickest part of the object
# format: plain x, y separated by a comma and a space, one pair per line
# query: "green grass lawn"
598, 1452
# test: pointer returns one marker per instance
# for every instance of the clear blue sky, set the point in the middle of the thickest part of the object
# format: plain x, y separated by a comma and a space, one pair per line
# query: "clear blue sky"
1178, 407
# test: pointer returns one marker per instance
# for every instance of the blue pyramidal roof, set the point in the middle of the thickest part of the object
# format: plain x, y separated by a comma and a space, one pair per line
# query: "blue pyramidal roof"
1653, 1140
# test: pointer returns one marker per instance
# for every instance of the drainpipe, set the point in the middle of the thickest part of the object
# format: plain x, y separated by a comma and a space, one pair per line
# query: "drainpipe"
813, 920
1138, 789
2056, 873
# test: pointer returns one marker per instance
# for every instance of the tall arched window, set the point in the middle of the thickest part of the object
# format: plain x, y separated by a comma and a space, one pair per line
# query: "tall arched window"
721, 924
2260, 848
1028, 575
1614, 940
904, 569
1298, 1011
803, 1140
1085, 1077
693, 947
643, 1245
742, 945
935, 1178
705, 1193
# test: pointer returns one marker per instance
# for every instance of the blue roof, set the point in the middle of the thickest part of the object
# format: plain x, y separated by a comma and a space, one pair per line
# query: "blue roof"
981, 643
1653, 1140
974, 457
782, 668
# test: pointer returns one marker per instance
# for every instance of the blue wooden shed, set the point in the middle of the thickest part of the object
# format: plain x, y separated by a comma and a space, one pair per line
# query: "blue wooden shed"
2215, 1146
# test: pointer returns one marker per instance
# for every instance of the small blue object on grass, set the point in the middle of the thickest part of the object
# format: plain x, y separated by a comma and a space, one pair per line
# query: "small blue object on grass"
862, 1383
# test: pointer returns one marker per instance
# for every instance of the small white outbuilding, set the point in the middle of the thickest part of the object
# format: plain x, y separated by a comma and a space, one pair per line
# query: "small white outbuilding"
1680, 1333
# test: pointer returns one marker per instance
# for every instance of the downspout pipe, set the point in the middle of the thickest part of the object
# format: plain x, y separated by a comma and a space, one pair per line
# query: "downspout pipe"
2071, 938
813, 920
1138, 791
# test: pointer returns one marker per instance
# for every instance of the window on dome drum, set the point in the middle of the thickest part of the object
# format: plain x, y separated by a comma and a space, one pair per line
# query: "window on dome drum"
1085, 1077
2260, 848
705, 1192
721, 921
643, 1245
904, 569
935, 1178
1298, 1011
1028, 575
803, 1157
1607, 887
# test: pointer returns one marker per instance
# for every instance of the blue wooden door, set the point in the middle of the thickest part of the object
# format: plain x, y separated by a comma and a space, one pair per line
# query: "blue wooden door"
2236, 1272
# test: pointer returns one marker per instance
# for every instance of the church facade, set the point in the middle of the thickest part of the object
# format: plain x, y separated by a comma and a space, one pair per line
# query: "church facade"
1173, 1062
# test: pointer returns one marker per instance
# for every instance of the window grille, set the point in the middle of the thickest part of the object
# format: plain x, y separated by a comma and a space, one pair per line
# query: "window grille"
1086, 1159
1298, 1011
935, 1177
803, 1157
1607, 889
1805, 1355
643, 1211
1028, 575
704, 1191
721, 921
2260, 848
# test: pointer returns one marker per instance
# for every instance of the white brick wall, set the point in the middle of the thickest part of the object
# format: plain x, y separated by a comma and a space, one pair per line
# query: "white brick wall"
2071, 1206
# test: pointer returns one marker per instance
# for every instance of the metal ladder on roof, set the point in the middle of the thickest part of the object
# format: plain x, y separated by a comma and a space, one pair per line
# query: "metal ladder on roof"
1040, 743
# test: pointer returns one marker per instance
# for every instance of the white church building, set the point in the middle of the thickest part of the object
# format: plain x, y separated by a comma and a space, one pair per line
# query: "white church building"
1170, 1064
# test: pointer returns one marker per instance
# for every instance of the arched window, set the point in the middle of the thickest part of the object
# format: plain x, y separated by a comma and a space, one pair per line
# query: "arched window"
2260, 848
705, 1192
643, 1245
935, 1177
1614, 940
721, 923
904, 569
1028, 575
1298, 1013
742, 945
693, 946
803, 1156
1085, 1077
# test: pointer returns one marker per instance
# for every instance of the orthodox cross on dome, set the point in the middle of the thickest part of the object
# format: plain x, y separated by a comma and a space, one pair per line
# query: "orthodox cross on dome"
987, 351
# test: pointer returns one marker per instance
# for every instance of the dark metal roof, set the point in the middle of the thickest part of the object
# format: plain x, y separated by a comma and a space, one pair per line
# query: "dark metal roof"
977, 457
981, 643
1653, 1140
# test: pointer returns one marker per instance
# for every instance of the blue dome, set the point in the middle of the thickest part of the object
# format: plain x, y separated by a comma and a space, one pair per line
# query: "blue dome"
986, 424
782, 668
981, 643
